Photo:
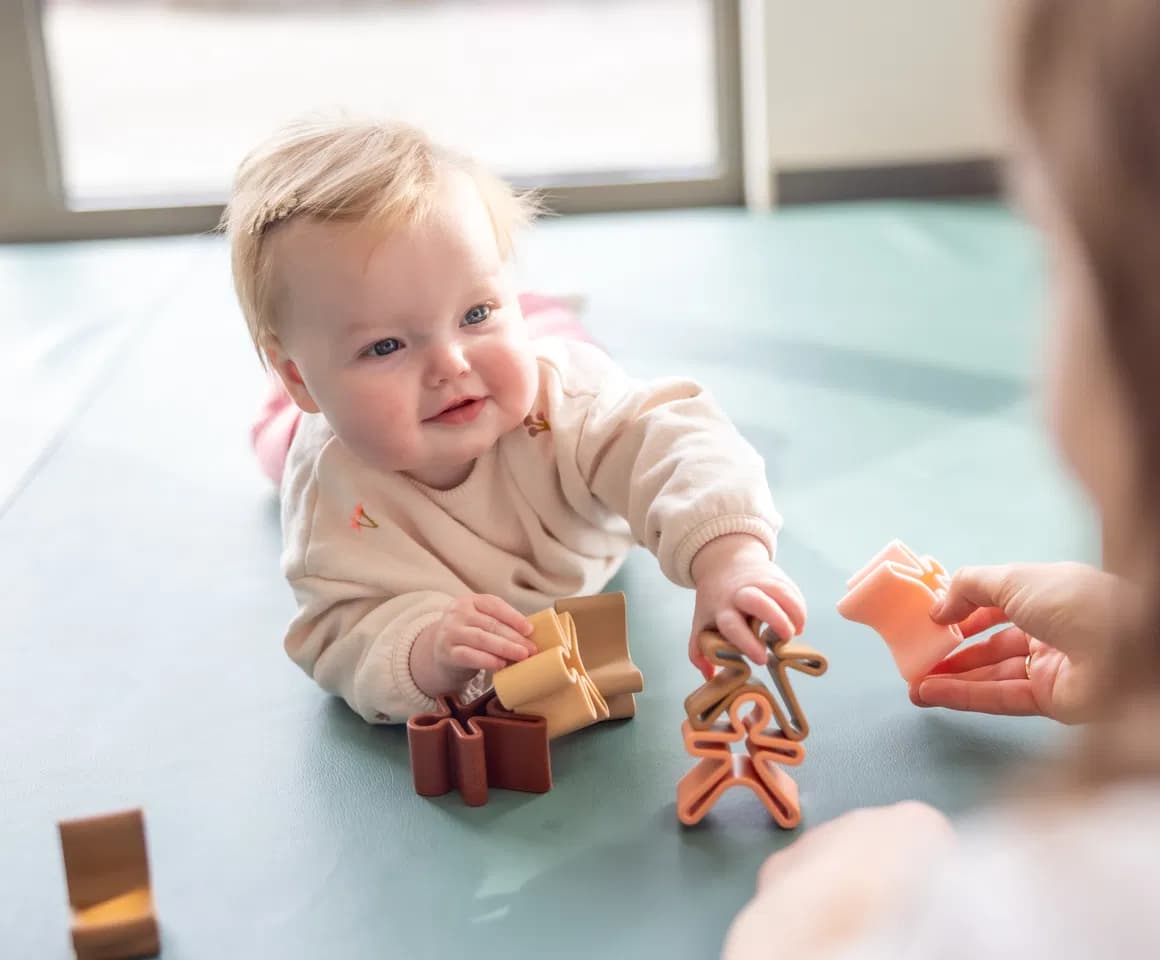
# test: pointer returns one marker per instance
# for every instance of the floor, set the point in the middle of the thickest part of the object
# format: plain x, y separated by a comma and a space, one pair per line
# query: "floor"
880, 356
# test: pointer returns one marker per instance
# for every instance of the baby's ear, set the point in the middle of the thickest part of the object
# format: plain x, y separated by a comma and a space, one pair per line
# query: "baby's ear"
289, 374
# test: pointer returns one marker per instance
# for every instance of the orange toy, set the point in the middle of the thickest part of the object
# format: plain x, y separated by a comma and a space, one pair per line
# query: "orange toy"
893, 594
759, 768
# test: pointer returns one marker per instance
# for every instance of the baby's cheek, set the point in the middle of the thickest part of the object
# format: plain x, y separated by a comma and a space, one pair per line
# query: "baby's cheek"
514, 378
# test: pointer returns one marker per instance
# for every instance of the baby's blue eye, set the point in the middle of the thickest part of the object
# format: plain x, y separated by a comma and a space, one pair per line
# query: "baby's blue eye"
384, 348
477, 314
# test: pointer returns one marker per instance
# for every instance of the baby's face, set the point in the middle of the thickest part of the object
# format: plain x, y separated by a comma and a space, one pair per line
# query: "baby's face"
411, 343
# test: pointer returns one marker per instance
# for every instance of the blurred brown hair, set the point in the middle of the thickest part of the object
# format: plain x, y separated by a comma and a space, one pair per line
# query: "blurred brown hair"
1086, 79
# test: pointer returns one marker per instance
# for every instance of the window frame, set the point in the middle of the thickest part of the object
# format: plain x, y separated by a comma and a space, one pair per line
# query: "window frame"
34, 205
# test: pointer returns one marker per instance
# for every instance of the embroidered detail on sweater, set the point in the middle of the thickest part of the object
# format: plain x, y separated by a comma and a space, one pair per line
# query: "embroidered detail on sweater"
537, 424
360, 518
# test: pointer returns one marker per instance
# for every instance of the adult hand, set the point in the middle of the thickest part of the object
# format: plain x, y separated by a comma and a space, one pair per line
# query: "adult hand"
1062, 620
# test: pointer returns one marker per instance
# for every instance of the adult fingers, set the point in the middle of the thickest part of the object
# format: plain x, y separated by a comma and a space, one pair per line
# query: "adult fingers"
1012, 698
971, 588
982, 619
1012, 642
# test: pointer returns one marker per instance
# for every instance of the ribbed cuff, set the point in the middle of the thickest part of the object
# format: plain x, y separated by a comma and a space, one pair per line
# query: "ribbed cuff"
414, 699
713, 529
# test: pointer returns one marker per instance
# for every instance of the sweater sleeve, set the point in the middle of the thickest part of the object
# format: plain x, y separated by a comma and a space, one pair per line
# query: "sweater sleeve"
664, 456
359, 646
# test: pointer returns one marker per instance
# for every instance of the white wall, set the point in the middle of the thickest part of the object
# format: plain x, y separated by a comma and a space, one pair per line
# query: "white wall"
879, 82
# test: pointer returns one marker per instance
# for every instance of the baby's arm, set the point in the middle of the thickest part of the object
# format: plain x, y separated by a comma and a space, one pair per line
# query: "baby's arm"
663, 455
389, 658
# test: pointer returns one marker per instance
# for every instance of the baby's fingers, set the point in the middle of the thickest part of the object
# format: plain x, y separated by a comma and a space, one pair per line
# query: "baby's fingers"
470, 658
755, 603
509, 649
789, 595
699, 660
498, 628
734, 627
503, 612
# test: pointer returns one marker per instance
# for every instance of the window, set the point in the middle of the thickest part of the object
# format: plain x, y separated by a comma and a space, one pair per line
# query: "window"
139, 110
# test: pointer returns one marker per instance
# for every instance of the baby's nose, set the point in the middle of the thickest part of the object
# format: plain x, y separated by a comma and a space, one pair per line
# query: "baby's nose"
448, 361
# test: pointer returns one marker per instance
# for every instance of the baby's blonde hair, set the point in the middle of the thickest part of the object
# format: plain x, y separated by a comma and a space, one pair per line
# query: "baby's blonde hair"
348, 170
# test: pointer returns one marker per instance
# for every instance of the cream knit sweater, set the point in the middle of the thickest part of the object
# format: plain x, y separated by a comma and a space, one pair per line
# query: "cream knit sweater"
602, 461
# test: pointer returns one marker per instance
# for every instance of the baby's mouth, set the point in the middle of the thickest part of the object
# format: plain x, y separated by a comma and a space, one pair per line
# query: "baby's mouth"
462, 410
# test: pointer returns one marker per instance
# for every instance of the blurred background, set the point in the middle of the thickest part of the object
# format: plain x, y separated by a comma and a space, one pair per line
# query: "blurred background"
128, 116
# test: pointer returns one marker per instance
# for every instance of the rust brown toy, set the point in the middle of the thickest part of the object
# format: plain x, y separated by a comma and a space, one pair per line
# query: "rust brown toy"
473, 747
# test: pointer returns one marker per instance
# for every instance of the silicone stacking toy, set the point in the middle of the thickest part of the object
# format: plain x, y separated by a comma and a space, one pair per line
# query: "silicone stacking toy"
772, 730
553, 683
472, 747
583, 673
893, 594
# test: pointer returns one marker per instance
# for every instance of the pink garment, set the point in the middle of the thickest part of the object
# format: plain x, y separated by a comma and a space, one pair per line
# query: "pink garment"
274, 427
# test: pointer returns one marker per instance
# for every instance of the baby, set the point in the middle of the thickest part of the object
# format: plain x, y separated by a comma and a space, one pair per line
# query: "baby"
450, 473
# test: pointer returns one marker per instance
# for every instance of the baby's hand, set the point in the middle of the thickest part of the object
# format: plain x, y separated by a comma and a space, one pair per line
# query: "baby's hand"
477, 632
735, 581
